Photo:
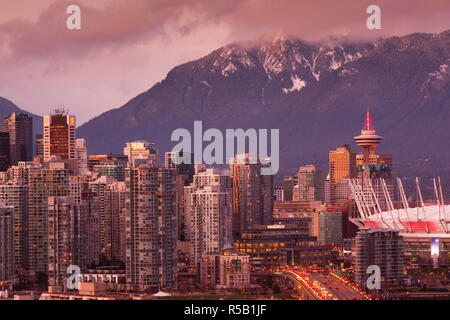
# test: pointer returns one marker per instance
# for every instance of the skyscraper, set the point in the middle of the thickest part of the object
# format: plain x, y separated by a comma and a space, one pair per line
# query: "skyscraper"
327, 225
327, 191
43, 183
289, 183
342, 168
20, 128
209, 214
150, 227
65, 230
114, 221
15, 195
81, 156
278, 193
252, 194
72, 236
310, 183
5, 160
39, 145
183, 164
6, 243
100, 188
59, 135
382, 248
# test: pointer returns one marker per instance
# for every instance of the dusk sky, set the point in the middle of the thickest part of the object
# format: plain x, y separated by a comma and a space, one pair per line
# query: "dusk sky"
124, 47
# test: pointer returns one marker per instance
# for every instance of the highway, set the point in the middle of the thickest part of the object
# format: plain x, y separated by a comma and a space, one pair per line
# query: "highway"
326, 286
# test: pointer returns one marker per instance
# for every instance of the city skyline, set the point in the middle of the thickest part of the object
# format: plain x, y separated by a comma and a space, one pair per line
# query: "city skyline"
293, 150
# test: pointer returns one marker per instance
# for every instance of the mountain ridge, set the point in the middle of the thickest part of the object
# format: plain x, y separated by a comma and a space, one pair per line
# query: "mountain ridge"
315, 93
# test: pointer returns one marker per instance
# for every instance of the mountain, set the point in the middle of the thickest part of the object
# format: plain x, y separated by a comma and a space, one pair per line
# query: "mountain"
7, 108
316, 93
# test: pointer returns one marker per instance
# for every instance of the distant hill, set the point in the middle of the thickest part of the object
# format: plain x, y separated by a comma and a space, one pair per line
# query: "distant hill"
315, 93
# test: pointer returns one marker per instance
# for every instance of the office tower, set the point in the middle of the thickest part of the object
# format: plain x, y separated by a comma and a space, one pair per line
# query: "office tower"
59, 136
81, 156
371, 166
342, 167
39, 145
278, 193
6, 244
140, 152
114, 221
327, 225
43, 183
5, 159
310, 183
327, 191
15, 195
208, 214
107, 159
252, 194
183, 164
20, 128
382, 248
289, 183
150, 227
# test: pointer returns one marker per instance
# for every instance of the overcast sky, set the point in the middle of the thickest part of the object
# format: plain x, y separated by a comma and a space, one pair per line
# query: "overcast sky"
126, 46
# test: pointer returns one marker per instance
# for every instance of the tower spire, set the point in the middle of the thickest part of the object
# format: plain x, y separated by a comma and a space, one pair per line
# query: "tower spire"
368, 125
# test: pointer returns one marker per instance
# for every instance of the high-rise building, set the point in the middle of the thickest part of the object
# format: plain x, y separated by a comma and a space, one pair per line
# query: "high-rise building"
72, 236
327, 191
81, 156
15, 195
59, 136
278, 193
252, 194
327, 225
20, 128
140, 152
183, 164
151, 259
39, 145
43, 183
289, 183
208, 205
114, 221
19, 173
5, 159
371, 166
227, 269
65, 232
99, 187
342, 167
382, 248
6, 244
310, 183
